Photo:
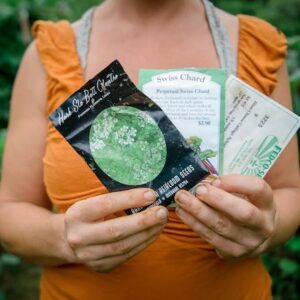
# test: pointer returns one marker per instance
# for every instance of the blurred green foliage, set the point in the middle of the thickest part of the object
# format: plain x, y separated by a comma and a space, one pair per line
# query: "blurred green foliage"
19, 280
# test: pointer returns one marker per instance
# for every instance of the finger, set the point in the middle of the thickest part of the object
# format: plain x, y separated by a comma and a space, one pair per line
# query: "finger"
109, 264
95, 252
116, 229
98, 207
256, 189
236, 208
222, 225
216, 221
228, 248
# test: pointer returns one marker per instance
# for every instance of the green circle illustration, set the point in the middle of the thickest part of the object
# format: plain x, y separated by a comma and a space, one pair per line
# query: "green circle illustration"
127, 145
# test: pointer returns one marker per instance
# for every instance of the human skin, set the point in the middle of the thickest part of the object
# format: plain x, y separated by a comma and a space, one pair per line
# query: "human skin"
28, 227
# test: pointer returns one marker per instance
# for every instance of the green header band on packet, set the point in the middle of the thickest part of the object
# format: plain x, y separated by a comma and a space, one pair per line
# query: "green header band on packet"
126, 139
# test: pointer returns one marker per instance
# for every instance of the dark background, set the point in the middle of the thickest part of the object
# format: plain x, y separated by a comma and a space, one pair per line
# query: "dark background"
19, 280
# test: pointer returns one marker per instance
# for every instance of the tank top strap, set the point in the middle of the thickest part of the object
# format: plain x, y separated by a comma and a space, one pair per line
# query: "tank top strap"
221, 40
219, 34
82, 40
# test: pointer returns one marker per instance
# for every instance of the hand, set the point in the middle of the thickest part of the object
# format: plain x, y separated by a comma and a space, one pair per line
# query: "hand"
102, 241
236, 214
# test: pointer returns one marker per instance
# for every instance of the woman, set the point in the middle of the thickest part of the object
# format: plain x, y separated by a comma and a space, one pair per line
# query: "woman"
208, 248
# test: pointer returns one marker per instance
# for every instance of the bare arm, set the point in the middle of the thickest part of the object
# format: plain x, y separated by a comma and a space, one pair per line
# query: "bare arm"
284, 177
24, 206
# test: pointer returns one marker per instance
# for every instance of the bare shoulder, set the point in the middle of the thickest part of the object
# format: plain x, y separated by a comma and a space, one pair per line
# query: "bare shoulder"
228, 19
22, 174
31, 77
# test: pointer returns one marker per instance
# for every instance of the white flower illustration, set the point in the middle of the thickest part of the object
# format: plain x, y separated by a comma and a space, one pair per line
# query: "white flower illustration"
126, 135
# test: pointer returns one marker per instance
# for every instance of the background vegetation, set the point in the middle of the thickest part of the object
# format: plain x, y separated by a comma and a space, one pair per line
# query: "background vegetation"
19, 280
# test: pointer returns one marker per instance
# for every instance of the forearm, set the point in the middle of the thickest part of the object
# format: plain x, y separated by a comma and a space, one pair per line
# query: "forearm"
287, 201
34, 233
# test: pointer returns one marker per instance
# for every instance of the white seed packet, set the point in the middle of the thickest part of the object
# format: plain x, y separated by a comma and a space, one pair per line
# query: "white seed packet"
257, 129
193, 99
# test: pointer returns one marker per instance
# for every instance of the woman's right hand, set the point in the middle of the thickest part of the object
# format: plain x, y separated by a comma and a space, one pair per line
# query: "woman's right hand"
101, 242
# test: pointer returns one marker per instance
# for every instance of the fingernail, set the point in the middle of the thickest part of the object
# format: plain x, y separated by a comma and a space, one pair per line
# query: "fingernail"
216, 182
162, 214
201, 190
182, 198
150, 196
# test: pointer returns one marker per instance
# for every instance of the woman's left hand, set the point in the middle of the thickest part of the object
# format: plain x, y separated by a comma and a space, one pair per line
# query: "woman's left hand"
236, 214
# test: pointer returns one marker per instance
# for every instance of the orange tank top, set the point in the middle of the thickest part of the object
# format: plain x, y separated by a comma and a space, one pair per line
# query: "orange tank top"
179, 265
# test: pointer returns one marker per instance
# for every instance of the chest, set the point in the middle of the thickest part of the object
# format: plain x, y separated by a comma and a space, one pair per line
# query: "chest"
177, 47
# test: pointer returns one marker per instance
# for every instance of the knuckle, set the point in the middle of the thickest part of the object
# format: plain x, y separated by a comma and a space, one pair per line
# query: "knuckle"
121, 247
145, 218
224, 255
220, 225
253, 244
268, 230
73, 213
95, 266
100, 266
238, 252
74, 240
247, 215
115, 232
83, 255
232, 255
106, 269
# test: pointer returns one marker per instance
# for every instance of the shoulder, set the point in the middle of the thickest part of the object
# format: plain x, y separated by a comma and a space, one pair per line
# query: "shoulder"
31, 76
56, 46
261, 31
262, 52
258, 25
51, 34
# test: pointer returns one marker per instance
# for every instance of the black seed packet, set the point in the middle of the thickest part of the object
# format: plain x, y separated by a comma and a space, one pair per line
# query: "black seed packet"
126, 139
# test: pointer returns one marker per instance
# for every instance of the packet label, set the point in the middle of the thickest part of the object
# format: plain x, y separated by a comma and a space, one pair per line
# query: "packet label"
257, 129
126, 139
193, 99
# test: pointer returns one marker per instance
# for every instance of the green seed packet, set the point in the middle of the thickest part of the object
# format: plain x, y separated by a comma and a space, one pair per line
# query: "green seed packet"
194, 100
126, 139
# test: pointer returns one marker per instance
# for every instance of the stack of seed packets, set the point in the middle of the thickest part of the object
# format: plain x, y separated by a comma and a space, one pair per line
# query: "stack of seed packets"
180, 128
193, 99
244, 138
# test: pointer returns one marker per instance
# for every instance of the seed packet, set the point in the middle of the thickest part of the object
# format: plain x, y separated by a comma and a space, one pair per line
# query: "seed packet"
193, 99
257, 129
126, 139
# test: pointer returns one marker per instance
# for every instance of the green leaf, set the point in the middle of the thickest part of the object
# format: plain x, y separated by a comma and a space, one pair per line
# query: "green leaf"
195, 142
288, 266
207, 154
294, 244
294, 42
10, 260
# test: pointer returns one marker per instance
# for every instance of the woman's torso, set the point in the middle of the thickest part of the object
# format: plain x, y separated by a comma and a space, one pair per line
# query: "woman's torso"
179, 265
